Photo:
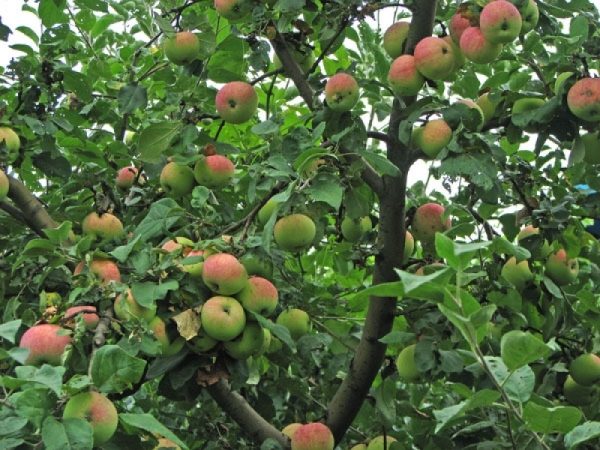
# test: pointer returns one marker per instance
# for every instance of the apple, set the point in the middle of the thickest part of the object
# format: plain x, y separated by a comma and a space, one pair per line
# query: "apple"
585, 369
126, 177
87, 312
459, 58
591, 144
177, 180
359, 447
233, 10
179, 243
395, 37
296, 321
527, 104
303, 57
290, 429
432, 137
427, 221
10, 140
404, 78
249, 343
458, 24
517, 273
500, 22
4, 185
576, 394
341, 92
222, 318
259, 296
194, 269
434, 58
313, 436
265, 213
530, 15
406, 365
164, 443
487, 106
530, 230
159, 331
105, 226
236, 102
127, 308
104, 269
98, 410
561, 269
255, 265
477, 48
295, 232
202, 342
471, 104
583, 99
214, 171
381, 443
182, 48
430, 268
46, 344
224, 274
354, 229
409, 246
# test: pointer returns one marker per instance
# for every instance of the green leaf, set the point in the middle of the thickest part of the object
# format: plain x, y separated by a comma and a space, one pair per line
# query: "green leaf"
518, 384
72, 434
147, 293
78, 83
480, 399
49, 376
52, 12
162, 216
11, 425
148, 423
10, 329
60, 233
265, 128
560, 419
519, 348
327, 188
132, 97
381, 164
385, 400
113, 370
582, 433
279, 331
157, 138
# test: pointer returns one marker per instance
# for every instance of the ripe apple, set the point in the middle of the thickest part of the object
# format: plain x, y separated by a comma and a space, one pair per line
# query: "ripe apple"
259, 296
46, 344
426, 222
576, 394
381, 442
341, 92
585, 369
233, 10
290, 429
179, 243
296, 321
202, 342
313, 436
561, 269
249, 343
105, 226
477, 48
222, 318
4, 185
295, 232
126, 177
11, 140
126, 308
255, 265
236, 102
591, 144
432, 137
406, 365
583, 99
459, 58
517, 273
214, 171
404, 78
98, 410
87, 312
500, 22
530, 15
394, 38
104, 269
434, 58
182, 48
177, 180
354, 229
458, 24
409, 246
224, 274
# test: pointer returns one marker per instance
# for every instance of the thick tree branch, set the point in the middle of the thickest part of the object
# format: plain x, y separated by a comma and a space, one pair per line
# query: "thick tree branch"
34, 213
246, 417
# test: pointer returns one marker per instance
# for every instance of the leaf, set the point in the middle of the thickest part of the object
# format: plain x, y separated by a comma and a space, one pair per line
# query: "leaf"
10, 329
475, 167
480, 399
132, 97
188, 323
519, 348
148, 423
327, 188
78, 83
265, 128
147, 293
279, 331
381, 164
518, 385
74, 434
162, 216
385, 400
49, 376
157, 138
52, 12
560, 419
582, 433
113, 370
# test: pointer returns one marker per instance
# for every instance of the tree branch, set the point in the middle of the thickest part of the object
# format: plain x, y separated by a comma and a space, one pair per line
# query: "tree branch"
34, 213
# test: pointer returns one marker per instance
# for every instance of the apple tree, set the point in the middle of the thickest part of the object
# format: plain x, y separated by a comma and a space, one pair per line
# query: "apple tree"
300, 224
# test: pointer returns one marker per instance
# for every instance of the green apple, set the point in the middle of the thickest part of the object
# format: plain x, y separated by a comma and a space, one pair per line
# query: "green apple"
585, 369
341, 92
354, 229
98, 410
404, 78
427, 221
432, 137
222, 318
395, 37
296, 321
500, 22
236, 102
576, 394
105, 226
127, 308
250, 343
434, 58
561, 269
177, 180
295, 232
182, 48
517, 273
477, 48
583, 99
265, 213
4, 185
530, 14
214, 171
409, 247
406, 365
381, 442
202, 343
290, 429
313, 436
256, 265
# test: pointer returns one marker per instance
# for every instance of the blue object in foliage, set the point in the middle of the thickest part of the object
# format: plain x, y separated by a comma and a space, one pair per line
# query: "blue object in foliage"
594, 229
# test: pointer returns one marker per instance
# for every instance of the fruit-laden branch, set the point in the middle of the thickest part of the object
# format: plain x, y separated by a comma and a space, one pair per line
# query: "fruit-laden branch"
32, 211
246, 417
370, 352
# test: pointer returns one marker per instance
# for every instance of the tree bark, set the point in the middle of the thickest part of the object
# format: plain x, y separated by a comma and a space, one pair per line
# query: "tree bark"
33, 212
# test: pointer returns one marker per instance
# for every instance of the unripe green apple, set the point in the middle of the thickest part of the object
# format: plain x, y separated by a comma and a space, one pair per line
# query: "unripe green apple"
222, 318
432, 137
585, 369
259, 296
159, 331
98, 410
255, 265
426, 222
404, 78
202, 342
530, 14
11, 140
214, 171
224, 274
488, 107
177, 180
46, 344
354, 229
378, 442
87, 312
434, 58
183, 48
409, 246
290, 429
249, 343
193, 268
477, 48
341, 92
295, 232
561, 269
500, 22
395, 37
104, 269
583, 99
359, 447
4, 185
528, 104
530, 230
406, 365
517, 273
296, 321
471, 104
313, 436
265, 213
233, 10
126, 308
236, 102
105, 226
591, 145
576, 394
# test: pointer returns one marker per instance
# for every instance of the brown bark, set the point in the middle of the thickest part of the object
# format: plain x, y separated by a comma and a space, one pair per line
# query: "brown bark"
33, 212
